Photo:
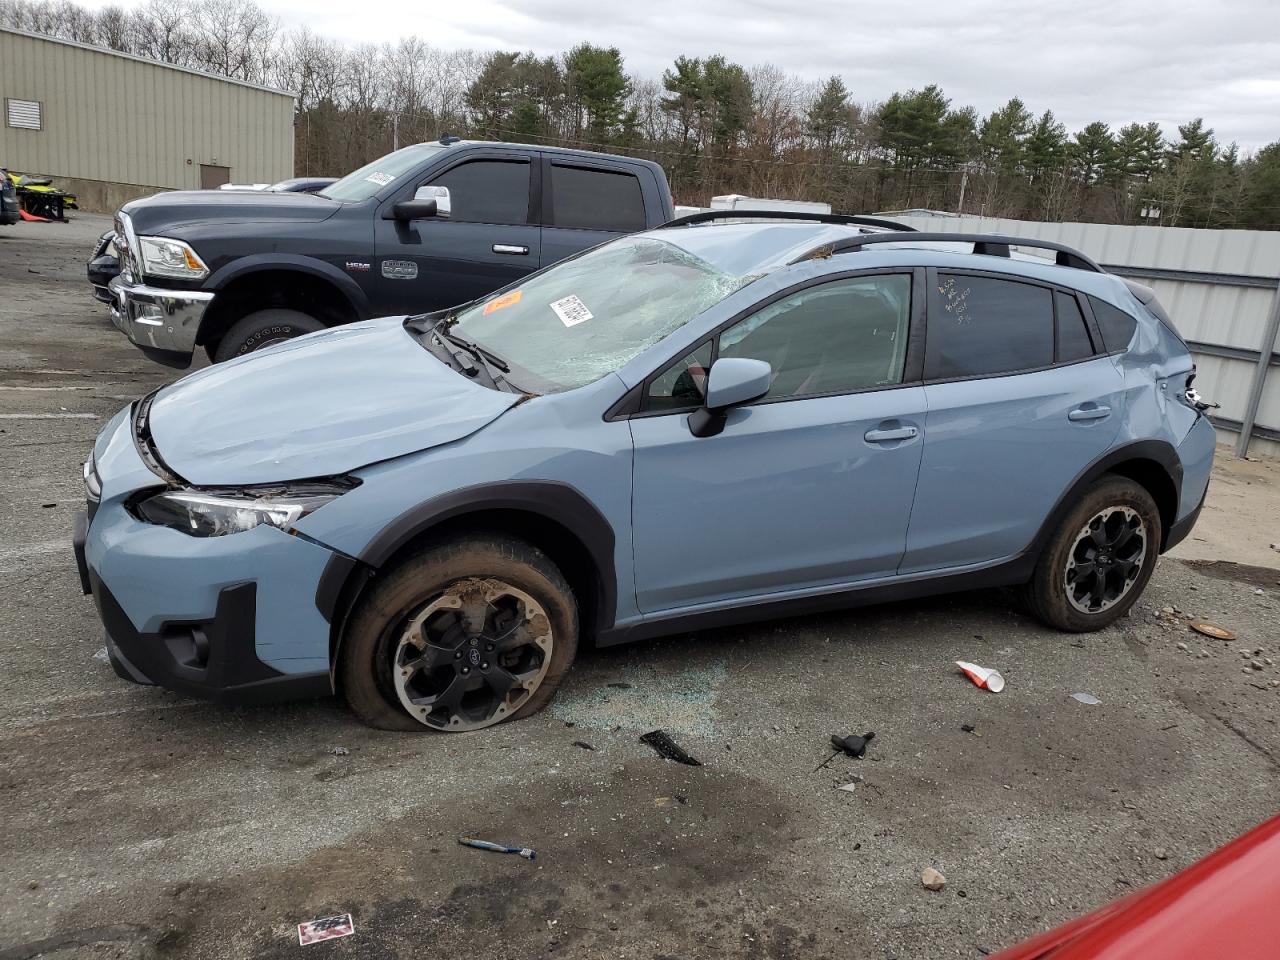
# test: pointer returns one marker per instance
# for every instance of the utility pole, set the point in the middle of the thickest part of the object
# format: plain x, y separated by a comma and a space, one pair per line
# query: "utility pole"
964, 182
395, 131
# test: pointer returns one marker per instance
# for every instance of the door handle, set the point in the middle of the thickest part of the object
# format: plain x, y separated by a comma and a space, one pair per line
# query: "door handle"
1090, 411
884, 436
511, 248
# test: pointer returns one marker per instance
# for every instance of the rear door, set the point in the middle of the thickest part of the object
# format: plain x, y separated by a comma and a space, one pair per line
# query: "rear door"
809, 486
585, 203
491, 237
1020, 399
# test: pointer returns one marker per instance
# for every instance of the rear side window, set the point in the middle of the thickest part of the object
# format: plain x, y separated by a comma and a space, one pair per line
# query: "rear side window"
596, 199
487, 191
1116, 326
1074, 342
981, 326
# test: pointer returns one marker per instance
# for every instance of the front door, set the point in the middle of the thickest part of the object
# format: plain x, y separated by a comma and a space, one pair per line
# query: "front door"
1015, 414
808, 487
489, 239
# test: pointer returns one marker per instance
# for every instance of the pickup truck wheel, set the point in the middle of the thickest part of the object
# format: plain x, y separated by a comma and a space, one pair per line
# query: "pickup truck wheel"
261, 329
461, 636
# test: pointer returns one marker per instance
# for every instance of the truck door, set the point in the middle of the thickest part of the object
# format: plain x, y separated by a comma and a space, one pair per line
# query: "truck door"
490, 238
585, 204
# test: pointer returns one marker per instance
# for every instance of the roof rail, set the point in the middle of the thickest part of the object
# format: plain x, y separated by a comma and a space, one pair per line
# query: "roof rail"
989, 244
707, 216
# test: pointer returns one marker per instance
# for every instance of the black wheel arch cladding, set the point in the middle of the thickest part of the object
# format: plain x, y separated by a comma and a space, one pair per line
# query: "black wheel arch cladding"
1153, 464
554, 516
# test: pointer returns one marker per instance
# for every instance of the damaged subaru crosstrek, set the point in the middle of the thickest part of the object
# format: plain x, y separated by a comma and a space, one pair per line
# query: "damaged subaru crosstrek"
704, 424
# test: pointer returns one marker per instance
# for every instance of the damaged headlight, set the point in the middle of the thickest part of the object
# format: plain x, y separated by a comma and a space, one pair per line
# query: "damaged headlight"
162, 257
216, 513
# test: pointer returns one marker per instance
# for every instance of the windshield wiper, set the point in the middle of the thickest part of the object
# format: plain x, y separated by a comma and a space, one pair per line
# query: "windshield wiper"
461, 351
483, 354
459, 357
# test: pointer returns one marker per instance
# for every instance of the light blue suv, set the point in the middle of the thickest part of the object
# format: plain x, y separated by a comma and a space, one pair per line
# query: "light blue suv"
708, 423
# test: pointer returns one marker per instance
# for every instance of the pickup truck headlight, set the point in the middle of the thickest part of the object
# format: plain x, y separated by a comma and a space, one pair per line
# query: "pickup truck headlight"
162, 257
216, 513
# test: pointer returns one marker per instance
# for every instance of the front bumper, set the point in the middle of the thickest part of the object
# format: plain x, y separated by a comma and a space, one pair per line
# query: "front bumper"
214, 658
229, 618
102, 268
161, 322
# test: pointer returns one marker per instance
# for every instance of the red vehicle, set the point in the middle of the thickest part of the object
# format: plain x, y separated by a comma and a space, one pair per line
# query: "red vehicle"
1223, 906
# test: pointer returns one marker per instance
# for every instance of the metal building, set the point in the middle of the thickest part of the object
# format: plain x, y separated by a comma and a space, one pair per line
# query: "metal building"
110, 127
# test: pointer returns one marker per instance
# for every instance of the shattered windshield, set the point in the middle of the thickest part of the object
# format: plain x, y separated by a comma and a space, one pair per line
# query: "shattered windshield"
364, 183
588, 316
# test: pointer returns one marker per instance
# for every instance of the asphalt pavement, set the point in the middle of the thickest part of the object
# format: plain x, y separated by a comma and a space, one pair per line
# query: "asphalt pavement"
141, 824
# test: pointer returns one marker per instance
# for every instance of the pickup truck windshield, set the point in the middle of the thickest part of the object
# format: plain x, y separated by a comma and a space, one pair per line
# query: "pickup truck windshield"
586, 317
369, 179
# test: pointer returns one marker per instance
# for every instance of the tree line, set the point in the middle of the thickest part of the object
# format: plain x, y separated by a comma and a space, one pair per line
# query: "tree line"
716, 126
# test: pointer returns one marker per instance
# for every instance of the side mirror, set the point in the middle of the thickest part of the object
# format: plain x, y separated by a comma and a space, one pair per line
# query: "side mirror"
732, 382
427, 203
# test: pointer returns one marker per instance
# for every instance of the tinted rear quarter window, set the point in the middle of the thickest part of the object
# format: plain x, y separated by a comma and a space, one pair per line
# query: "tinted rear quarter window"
1074, 342
1114, 324
488, 191
982, 326
596, 199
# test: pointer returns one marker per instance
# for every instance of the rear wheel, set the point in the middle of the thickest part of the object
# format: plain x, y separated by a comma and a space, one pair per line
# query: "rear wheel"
460, 637
1099, 560
263, 328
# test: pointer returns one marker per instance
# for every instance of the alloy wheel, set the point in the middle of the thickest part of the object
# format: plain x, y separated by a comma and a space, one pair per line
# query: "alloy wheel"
1106, 559
472, 656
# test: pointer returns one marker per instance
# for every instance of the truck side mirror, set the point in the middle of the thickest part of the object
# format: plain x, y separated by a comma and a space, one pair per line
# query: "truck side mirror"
427, 203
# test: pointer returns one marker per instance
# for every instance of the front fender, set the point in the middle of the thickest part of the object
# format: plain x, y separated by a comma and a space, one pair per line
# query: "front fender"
262, 262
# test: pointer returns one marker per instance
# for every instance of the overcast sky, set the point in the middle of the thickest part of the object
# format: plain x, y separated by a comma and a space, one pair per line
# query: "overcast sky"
1109, 60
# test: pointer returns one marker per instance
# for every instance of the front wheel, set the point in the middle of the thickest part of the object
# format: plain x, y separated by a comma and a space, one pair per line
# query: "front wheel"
1099, 559
263, 328
460, 637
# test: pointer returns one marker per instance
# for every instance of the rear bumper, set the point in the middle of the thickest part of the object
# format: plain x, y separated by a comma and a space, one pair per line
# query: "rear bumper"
1182, 528
1195, 453
162, 323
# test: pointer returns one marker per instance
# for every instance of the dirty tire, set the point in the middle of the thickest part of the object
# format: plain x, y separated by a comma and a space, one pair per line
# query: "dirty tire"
1047, 593
263, 328
374, 631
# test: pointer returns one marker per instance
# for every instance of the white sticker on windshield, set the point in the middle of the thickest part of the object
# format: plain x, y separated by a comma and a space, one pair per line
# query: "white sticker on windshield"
381, 179
571, 311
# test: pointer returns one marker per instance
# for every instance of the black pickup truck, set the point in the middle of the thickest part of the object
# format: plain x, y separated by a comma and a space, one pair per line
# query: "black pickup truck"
421, 229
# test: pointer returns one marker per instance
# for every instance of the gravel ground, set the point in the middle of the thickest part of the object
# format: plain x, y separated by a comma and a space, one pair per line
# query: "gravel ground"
141, 824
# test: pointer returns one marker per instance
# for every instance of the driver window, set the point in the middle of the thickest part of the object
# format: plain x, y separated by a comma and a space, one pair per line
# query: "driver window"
834, 338
487, 191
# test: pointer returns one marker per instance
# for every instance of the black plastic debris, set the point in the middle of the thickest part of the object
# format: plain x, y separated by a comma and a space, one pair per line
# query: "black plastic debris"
620, 685
583, 744
967, 727
667, 748
852, 746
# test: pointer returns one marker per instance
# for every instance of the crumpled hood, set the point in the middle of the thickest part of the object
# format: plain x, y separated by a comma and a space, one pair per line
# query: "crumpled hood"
169, 211
320, 405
